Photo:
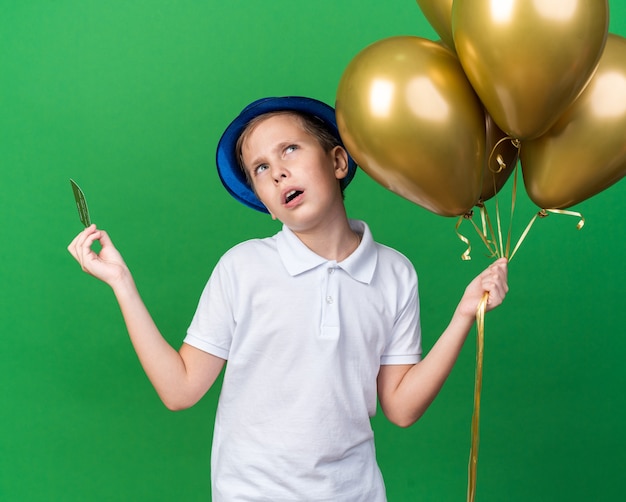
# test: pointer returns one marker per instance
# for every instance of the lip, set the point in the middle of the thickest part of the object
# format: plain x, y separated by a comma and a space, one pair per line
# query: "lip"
294, 202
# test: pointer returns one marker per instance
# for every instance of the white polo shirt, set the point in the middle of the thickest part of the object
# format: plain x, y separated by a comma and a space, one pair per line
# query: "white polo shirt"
304, 338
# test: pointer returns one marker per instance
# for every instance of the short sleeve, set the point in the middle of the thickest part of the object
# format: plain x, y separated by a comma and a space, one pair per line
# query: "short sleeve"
404, 345
213, 323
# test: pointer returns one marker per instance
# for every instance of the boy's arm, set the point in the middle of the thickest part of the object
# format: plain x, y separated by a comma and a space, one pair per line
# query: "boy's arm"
180, 378
406, 391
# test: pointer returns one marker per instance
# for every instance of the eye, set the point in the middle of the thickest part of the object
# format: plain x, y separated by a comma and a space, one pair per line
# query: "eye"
291, 148
260, 168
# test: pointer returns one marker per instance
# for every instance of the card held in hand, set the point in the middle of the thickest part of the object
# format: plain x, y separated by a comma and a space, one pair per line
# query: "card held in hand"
81, 204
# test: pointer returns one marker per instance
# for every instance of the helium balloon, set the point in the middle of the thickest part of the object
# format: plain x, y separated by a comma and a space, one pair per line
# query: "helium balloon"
585, 151
439, 15
410, 119
529, 59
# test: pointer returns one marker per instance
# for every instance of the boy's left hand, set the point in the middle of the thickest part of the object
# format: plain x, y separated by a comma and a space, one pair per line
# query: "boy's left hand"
492, 280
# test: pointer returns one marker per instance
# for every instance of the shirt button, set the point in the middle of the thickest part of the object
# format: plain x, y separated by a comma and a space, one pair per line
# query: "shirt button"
329, 299
331, 270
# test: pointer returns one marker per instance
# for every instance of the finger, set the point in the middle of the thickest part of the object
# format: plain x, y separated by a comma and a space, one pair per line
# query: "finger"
90, 239
72, 247
498, 271
490, 284
500, 266
497, 292
104, 239
84, 253
503, 277
78, 240
82, 235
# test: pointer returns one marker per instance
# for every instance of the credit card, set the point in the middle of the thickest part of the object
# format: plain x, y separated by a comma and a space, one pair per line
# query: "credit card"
81, 204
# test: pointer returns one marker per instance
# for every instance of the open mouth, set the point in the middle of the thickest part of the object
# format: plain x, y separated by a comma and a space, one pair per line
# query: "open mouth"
291, 195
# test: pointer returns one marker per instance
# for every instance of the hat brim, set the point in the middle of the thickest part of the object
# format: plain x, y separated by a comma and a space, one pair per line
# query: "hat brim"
231, 175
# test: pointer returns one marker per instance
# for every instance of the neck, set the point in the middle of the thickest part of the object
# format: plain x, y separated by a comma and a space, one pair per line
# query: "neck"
334, 241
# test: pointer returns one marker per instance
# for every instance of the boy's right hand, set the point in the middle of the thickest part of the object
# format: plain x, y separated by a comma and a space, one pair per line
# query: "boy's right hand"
107, 265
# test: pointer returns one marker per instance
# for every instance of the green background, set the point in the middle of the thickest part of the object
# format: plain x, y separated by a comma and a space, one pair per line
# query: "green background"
129, 98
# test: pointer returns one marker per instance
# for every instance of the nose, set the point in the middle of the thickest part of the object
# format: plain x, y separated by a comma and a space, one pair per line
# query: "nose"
279, 172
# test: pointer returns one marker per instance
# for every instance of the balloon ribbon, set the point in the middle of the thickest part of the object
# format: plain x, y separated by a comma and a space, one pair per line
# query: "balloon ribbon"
478, 383
495, 242
496, 249
495, 245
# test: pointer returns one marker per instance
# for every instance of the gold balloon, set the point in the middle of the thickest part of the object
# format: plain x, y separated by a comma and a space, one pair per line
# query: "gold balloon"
529, 59
585, 151
439, 15
501, 156
411, 120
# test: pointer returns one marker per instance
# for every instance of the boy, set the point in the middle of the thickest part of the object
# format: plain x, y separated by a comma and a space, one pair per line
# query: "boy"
315, 322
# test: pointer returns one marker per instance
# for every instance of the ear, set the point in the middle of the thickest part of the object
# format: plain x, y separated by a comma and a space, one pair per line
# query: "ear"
340, 162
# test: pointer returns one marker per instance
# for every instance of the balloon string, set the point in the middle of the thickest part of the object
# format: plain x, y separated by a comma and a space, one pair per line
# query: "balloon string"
489, 244
513, 201
492, 246
478, 383
525, 233
485, 214
499, 250
487, 233
502, 165
466, 255
480, 336
543, 214
483, 217
499, 160
495, 247
499, 225
581, 222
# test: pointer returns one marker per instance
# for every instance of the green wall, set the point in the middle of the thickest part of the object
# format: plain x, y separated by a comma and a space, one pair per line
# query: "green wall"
129, 98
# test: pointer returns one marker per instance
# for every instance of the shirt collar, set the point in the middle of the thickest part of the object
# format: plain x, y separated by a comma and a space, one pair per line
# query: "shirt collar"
297, 258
